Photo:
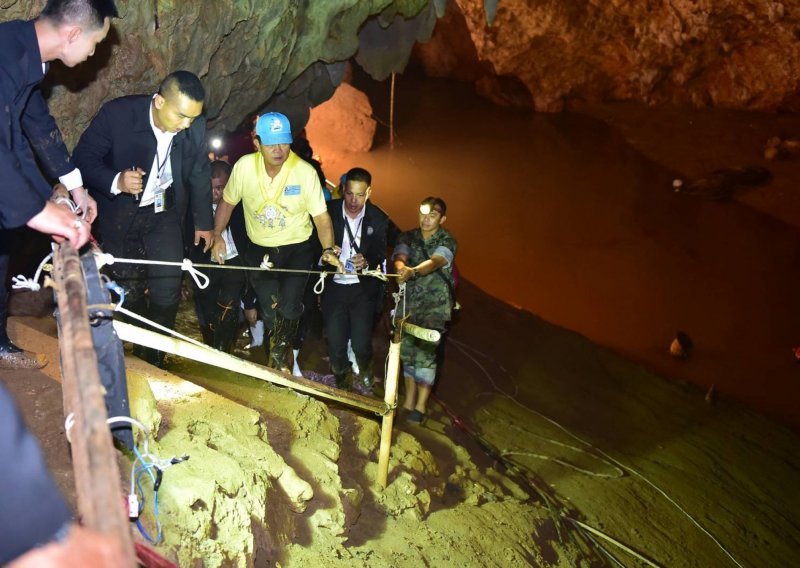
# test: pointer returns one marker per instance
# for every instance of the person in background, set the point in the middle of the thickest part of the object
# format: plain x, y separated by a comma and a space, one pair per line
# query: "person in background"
68, 31
423, 258
282, 198
218, 304
350, 300
144, 158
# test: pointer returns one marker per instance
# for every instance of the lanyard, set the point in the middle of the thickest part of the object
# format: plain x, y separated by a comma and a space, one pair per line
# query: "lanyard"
353, 244
161, 165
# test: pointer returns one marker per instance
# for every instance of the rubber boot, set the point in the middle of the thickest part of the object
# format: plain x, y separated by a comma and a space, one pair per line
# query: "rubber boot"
207, 333
282, 336
225, 328
342, 380
365, 377
165, 316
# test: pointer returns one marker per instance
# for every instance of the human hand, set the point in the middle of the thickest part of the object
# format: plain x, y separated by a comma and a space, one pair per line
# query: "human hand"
130, 181
405, 274
62, 224
330, 257
82, 547
251, 315
86, 204
219, 251
359, 261
207, 236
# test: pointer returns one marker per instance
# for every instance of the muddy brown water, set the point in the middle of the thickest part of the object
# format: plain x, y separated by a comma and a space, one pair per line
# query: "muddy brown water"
560, 216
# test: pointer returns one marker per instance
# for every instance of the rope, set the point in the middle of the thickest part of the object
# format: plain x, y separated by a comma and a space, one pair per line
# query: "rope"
158, 326
21, 283
104, 258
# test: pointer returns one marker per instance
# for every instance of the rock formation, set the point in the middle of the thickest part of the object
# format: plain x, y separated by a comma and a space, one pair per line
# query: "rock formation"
250, 55
720, 53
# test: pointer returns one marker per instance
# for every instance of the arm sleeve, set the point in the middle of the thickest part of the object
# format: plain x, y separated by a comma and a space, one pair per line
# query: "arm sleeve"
90, 154
315, 200
31, 508
377, 250
45, 137
200, 180
21, 194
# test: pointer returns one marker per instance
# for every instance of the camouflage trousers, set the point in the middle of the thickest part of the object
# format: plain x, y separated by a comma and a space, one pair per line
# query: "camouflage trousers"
419, 359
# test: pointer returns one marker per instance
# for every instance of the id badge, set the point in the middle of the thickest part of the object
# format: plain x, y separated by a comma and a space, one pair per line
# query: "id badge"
158, 204
349, 266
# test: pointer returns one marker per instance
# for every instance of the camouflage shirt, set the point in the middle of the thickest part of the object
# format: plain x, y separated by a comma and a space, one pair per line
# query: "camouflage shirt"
429, 299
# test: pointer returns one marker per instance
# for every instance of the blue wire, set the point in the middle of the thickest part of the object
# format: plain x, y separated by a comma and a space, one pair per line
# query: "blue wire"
137, 473
118, 290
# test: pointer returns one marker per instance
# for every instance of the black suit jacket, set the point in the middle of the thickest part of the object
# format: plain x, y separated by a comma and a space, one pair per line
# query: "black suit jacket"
373, 239
119, 138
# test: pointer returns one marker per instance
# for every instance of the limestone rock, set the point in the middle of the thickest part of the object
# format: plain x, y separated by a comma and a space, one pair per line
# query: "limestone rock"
344, 122
248, 54
722, 53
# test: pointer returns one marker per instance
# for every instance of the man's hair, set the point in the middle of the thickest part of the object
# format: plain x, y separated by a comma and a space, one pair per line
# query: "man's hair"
184, 82
220, 168
359, 174
90, 14
436, 203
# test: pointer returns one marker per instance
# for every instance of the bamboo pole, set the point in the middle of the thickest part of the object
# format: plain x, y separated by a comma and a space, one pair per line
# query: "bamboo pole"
390, 398
211, 356
97, 477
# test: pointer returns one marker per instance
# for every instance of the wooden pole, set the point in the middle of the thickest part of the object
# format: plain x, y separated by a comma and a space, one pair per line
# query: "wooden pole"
391, 115
390, 398
97, 478
211, 356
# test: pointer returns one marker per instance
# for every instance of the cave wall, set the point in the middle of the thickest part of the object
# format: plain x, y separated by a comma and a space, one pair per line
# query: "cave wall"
286, 54
741, 54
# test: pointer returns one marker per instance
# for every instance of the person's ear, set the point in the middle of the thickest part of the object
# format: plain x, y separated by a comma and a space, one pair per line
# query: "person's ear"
368, 193
74, 33
443, 219
159, 101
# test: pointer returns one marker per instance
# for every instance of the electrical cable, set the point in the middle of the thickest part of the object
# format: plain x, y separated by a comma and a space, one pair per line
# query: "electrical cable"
463, 348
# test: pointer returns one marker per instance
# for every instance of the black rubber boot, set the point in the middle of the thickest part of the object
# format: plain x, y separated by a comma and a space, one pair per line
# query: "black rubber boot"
282, 335
365, 376
342, 380
225, 328
208, 334
165, 316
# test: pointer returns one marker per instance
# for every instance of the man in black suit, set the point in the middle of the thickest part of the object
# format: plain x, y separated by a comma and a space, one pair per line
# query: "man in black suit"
350, 301
144, 159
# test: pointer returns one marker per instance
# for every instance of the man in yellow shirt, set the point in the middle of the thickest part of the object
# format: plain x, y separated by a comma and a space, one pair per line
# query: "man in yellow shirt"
282, 200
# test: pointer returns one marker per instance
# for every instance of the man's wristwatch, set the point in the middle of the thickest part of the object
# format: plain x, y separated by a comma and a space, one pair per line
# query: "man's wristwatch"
415, 273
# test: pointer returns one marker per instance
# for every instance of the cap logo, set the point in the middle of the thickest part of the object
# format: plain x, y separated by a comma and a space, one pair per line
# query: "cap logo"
275, 125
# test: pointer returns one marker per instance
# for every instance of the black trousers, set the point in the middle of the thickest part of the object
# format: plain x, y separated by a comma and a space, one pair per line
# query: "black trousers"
6, 238
283, 289
151, 236
223, 293
349, 313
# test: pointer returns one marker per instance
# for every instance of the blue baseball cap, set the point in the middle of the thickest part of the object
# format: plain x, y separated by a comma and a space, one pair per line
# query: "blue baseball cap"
273, 128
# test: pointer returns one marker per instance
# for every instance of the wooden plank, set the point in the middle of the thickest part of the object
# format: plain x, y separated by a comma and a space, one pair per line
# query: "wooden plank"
97, 477
211, 356
392, 374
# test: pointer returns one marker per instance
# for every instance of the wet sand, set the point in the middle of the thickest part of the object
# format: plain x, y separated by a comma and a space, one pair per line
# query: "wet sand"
573, 218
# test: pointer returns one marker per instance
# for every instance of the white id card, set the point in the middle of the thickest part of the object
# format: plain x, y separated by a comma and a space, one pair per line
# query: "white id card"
349, 266
158, 204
